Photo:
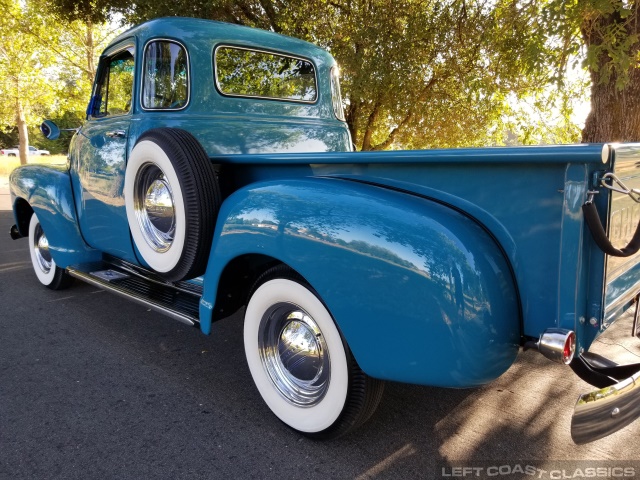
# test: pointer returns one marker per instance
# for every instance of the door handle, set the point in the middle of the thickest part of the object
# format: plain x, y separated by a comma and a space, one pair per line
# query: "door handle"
116, 134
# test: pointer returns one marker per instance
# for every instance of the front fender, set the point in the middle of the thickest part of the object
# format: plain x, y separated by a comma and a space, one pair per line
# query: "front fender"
47, 190
421, 293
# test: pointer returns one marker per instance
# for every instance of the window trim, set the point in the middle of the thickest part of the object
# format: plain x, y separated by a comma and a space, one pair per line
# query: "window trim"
142, 75
268, 52
109, 56
335, 81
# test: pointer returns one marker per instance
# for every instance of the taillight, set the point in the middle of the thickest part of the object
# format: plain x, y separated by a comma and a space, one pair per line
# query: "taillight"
569, 348
558, 344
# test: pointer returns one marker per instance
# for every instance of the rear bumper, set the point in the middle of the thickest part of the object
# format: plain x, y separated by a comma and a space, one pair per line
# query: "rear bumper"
613, 406
607, 410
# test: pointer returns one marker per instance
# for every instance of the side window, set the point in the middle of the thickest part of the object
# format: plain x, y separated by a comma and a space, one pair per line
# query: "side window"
115, 87
250, 73
165, 76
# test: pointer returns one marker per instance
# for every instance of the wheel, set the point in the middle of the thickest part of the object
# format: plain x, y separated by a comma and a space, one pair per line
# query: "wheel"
49, 274
170, 188
299, 361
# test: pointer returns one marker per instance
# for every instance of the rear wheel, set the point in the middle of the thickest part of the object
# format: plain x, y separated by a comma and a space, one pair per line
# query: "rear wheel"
48, 273
299, 361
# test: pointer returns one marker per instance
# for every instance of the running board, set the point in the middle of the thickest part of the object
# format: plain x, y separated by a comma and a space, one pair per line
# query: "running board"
169, 299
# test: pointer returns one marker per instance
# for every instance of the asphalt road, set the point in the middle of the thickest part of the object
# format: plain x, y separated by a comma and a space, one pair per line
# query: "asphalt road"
94, 387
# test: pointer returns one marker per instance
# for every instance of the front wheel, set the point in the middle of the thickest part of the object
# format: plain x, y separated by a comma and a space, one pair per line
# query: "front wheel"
299, 361
45, 268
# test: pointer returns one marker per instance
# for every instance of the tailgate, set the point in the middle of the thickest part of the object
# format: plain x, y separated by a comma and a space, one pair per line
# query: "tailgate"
622, 274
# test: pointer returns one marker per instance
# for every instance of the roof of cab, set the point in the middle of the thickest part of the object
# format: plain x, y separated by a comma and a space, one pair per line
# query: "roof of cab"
200, 31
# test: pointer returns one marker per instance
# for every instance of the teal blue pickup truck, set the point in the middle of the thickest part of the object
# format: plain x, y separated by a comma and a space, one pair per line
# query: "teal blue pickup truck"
215, 173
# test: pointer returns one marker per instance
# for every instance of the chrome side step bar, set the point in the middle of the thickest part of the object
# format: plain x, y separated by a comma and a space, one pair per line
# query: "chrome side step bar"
164, 298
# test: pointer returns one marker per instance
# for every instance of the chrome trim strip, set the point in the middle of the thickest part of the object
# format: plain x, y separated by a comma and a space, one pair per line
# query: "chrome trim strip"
620, 301
268, 52
85, 277
627, 169
605, 411
144, 53
338, 106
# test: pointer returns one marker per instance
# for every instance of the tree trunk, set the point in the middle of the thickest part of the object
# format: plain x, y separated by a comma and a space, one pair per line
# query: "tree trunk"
23, 133
90, 51
615, 113
615, 109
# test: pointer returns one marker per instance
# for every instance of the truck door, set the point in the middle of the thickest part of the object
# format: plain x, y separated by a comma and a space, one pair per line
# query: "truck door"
99, 155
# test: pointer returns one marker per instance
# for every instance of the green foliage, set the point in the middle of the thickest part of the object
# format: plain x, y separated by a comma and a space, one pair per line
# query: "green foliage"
607, 29
21, 64
86, 11
607, 33
415, 73
45, 71
427, 73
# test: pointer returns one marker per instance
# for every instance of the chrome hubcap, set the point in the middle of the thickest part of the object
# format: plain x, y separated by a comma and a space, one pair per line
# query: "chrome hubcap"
154, 207
294, 354
41, 248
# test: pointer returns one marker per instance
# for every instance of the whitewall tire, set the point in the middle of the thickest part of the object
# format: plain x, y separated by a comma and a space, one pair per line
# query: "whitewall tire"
299, 361
45, 268
172, 199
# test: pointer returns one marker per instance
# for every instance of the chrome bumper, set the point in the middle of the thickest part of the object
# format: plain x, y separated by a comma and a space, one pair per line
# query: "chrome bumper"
605, 411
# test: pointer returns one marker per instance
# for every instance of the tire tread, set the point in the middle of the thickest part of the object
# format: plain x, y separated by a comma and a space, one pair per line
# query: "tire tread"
201, 194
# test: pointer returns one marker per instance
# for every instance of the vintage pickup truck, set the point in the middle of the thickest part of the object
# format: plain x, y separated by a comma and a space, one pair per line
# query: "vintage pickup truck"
215, 172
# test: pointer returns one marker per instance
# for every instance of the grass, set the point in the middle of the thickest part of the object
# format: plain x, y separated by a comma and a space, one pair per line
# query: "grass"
7, 164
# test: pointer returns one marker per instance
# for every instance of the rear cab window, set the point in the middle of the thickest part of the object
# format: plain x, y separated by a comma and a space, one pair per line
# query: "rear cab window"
244, 72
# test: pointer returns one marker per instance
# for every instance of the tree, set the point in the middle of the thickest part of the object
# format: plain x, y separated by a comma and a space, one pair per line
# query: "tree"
24, 85
610, 31
607, 33
47, 71
421, 73
416, 73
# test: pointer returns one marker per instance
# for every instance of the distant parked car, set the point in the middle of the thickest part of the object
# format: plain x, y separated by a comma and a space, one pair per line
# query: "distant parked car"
13, 152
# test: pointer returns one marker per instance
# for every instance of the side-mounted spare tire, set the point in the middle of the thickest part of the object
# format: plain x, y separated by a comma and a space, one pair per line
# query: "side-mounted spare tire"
172, 199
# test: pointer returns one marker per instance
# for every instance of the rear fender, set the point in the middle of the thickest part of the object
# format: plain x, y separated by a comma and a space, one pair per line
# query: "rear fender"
421, 293
47, 190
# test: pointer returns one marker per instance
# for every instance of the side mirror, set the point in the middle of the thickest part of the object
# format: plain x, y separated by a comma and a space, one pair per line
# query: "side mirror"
50, 130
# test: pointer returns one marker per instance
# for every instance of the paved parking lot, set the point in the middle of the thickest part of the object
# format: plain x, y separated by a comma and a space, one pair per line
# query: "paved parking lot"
5, 201
94, 387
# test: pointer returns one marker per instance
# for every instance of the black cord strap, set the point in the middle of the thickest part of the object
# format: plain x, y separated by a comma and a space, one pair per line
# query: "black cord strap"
600, 237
